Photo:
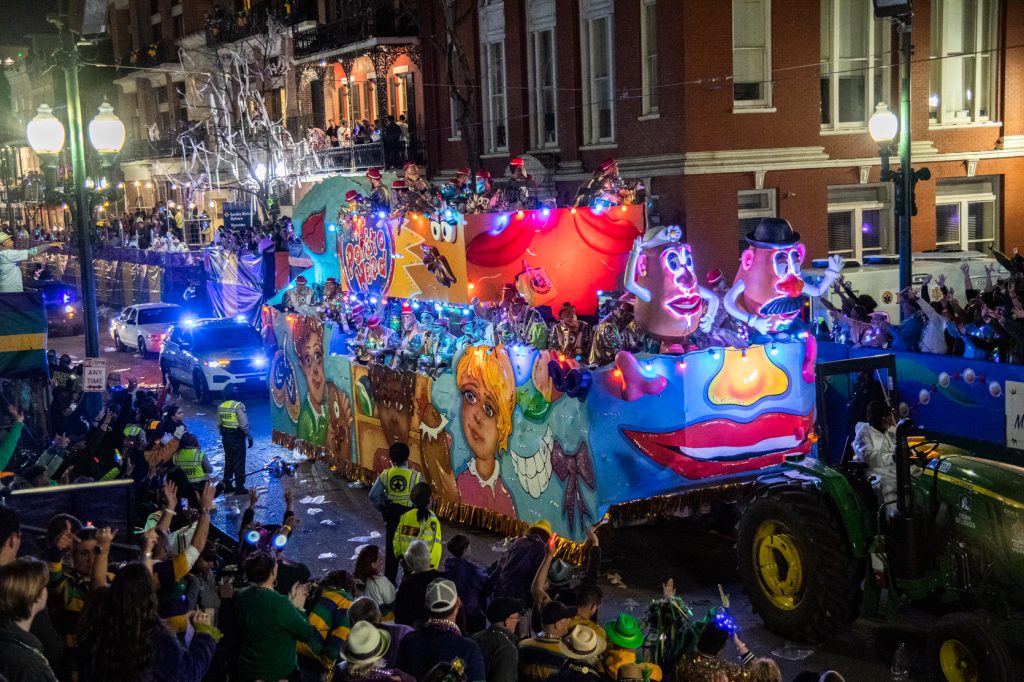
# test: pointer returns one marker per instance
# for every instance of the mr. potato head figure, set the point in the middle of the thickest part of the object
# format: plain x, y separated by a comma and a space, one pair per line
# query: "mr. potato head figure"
669, 303
769, 290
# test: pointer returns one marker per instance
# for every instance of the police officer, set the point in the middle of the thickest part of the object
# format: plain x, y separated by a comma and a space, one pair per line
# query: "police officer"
390, 495
235, 434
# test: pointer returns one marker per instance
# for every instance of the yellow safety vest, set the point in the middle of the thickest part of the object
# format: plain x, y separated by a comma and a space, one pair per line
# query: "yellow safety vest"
228, 414
132, 430
398, 483
190, 461
410, 528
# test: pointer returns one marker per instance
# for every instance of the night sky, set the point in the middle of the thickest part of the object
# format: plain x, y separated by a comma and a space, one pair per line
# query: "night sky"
24, 16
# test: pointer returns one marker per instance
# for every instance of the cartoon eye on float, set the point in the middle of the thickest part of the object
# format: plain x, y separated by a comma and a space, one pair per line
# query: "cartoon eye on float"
443, 231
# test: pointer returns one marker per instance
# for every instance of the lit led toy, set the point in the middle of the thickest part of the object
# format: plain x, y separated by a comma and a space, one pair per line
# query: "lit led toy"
670, 302
769, 289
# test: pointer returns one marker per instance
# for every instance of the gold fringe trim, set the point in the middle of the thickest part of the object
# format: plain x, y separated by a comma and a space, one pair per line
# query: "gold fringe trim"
454, 512
683, 503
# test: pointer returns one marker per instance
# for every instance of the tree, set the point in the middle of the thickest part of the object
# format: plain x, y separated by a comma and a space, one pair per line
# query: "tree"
462, 79
237, 143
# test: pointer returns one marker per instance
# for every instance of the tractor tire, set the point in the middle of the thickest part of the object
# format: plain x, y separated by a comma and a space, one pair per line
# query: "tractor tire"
963, 647
797, 567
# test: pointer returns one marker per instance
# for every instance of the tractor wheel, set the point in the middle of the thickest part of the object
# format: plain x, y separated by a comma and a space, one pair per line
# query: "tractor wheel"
963, 647
796, 565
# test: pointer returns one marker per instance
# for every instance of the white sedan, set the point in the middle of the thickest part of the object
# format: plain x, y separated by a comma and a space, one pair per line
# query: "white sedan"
144, 326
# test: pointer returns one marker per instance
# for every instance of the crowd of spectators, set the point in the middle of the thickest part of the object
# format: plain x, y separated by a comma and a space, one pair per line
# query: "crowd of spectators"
989, 325
182, 601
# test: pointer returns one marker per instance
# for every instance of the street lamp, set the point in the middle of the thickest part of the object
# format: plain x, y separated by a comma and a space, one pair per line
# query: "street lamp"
883, 127
106, 132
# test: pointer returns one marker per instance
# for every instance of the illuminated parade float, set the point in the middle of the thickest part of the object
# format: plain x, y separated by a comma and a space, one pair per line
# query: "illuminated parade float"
433, 338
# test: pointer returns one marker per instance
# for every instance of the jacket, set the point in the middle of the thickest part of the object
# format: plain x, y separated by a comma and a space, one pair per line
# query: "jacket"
21, 656
501, 654
469, 579
878, 451
513, 575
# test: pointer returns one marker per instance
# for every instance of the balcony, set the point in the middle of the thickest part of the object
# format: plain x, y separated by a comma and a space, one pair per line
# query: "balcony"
164, 145
151, 55
375, 19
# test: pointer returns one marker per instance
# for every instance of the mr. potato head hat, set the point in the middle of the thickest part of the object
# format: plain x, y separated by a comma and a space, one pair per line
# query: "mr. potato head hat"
773, 233
373, 173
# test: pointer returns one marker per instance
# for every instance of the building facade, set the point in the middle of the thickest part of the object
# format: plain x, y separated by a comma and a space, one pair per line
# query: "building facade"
733, 110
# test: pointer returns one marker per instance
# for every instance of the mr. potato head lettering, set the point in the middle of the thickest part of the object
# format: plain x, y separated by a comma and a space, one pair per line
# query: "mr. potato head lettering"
769, 289
660, 274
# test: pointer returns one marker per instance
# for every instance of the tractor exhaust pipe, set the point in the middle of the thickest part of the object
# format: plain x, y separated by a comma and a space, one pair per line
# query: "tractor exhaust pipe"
907, 537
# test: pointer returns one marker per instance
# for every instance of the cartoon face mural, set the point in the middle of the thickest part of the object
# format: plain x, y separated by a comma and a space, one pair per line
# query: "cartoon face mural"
660, 273
308, 344
769, 291
487, 391
393, 393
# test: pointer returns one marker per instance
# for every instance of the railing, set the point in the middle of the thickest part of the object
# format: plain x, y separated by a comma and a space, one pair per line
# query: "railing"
377, 18
162, 146
151, 55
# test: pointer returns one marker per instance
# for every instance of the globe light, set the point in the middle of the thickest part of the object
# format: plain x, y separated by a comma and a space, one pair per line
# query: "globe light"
883, 124
106, 132
45, 133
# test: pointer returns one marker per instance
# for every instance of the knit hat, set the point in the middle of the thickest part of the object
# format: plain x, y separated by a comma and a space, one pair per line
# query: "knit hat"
365, 644
373, 173
582, 643
625, 631
503, 607
441, 597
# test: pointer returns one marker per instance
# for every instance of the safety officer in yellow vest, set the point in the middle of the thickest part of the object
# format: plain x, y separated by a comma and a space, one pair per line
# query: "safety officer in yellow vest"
419, 523
235, 434
193, 462
390, 495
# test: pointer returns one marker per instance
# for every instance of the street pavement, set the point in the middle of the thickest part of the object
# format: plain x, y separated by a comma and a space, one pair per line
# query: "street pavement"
337, 519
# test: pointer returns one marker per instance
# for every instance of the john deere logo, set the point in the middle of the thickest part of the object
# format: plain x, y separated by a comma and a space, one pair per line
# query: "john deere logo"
965, 503
397, 484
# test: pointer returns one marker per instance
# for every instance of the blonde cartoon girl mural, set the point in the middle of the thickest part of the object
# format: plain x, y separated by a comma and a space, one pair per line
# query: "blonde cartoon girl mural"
308, 342
487, 390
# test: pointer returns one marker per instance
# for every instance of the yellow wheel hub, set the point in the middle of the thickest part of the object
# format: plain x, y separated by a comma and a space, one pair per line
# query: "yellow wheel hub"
779, 566
957, 661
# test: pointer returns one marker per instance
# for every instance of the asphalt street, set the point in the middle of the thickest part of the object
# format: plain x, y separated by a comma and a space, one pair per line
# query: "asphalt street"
337, 519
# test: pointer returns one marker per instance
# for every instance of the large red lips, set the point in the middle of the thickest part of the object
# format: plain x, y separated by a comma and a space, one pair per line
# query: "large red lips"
720, 446
684, 305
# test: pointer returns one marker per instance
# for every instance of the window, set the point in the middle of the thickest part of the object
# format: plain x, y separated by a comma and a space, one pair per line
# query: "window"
860, 221
751, 53
854, 63
966, 214
753, 205
598, 84
649, 56
455, 111
963, 62
492, 46
161, 94
179, 25
540, 25
357, 103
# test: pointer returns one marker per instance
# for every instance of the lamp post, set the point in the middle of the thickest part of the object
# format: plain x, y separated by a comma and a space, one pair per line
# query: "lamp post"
106, 133
883, 127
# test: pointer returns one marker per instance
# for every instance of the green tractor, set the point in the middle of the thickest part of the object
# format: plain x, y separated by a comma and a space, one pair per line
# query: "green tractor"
816, 550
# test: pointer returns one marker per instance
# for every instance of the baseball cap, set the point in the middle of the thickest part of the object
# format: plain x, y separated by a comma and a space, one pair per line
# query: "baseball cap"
442, 595
554, 611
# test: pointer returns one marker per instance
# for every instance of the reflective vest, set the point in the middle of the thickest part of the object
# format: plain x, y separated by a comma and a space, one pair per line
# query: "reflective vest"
190, 461
398, 483
132, 431
228, 414
410, 528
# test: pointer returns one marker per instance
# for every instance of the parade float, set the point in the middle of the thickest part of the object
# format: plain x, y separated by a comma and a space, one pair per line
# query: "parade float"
507, 432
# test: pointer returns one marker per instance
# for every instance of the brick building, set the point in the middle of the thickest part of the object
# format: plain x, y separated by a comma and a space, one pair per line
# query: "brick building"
732, 110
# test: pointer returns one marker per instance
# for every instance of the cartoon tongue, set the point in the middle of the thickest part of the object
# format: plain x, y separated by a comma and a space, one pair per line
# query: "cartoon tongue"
635, 383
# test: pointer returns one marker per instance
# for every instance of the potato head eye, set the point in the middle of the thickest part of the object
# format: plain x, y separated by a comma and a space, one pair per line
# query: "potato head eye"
781, 262
794, 261
436, 231
673, 261
448, 232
